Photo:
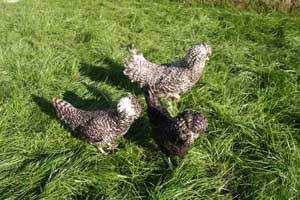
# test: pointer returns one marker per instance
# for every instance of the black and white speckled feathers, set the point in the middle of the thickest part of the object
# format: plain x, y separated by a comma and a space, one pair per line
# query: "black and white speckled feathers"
102, 126
171, 79
174, 136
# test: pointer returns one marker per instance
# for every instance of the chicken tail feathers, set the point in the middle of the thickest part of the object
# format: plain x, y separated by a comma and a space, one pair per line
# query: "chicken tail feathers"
68, 113
137, 68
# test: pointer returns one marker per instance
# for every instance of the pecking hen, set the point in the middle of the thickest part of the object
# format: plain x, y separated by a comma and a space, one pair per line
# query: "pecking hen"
171, 79
102, 126
174, 135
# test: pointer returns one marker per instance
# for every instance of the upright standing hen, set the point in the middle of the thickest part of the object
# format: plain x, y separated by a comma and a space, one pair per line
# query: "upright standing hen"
174, 135
171, 79
102, 126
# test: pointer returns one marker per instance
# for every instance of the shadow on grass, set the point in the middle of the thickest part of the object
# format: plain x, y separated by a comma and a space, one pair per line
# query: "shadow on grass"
113, 75
140, 134
292, 120
45, 105
87, 104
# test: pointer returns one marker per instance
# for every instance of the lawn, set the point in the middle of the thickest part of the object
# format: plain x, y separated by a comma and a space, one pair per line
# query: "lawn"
250, 93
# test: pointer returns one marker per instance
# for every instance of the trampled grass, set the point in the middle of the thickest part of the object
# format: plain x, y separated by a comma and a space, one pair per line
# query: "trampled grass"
75, 49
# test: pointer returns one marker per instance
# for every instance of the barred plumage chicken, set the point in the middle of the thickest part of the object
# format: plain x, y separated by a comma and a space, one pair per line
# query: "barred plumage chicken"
174, 135
171, 79
102, 126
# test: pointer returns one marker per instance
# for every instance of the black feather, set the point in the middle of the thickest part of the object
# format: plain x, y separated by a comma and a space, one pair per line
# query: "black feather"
174, 136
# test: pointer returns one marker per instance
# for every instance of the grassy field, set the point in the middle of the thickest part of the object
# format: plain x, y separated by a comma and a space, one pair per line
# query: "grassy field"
249, 91
257, 5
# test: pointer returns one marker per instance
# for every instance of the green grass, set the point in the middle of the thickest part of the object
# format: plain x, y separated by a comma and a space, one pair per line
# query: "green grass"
257, 5
249, 91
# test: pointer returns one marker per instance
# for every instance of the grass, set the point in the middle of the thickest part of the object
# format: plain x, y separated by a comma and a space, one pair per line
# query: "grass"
75, 49
257, 5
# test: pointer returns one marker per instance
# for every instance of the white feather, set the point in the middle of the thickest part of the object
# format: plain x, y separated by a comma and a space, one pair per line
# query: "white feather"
125, 105
138, 56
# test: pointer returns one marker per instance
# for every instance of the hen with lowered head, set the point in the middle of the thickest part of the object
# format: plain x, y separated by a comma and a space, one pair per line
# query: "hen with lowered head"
174, 135
102, 126
171, 79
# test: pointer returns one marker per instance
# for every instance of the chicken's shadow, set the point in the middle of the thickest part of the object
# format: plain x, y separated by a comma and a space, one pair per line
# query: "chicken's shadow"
89, 104
110, 72
140, 134
45, 105
47, 108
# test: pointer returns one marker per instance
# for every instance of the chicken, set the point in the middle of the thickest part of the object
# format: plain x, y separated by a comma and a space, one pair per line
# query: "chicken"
174, 135
100, 127
171, 79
